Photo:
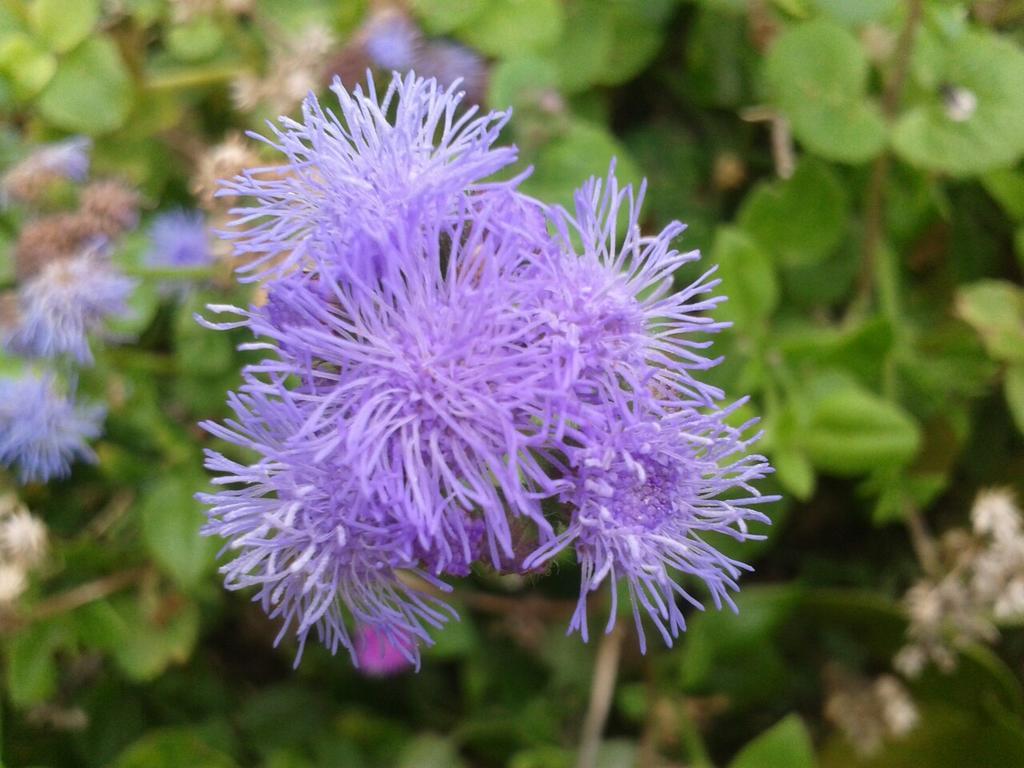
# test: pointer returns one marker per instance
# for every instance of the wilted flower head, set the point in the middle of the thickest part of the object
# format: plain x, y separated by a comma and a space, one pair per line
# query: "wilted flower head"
42, 430
354, 182
179, 239
22, 537
65, 302
68, 159
112, 206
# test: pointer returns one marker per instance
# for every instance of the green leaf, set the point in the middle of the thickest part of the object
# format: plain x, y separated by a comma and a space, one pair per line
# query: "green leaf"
787, 744
637, 32
145, 633
171, 519
795, 472
858, 13
91, 92
801, 219
817, 74
584, 150
736, 654
582, 52
172, 748
439, 17
748, 279
1013, 385
196, 40
851, 431
61, 24
995, 309
719, 61
26, 64
1006, 186
31, 667
508, 27
987, 130
520, 82
429, 751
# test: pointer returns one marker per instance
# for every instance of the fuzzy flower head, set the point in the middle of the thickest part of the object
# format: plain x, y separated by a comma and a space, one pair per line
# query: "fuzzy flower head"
647, 501
622, 335
355, 183
41, 430
318, 551
65, 302
68, 159
429, 387
179, 239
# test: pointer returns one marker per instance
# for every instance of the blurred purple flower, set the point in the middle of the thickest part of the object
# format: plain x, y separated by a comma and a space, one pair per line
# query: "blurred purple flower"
66, 301
450, 63
391, 40
377, 654
179, 239
41, 430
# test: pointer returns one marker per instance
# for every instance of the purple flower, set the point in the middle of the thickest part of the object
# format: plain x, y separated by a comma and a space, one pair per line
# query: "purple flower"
179, 239
317, 549
355, 185
428, 388
647, 500
450, 63
391, 40
68, 158
442, 354
621, 334
41, 430
66, 301
378, 656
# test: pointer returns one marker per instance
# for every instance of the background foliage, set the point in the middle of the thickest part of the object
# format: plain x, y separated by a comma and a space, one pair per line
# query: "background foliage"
855, 170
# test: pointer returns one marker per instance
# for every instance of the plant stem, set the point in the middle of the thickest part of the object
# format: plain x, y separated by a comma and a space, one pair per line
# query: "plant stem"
874, 205
606, 668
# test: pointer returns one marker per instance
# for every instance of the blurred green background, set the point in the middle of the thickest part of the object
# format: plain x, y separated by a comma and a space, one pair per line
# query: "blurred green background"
853, 166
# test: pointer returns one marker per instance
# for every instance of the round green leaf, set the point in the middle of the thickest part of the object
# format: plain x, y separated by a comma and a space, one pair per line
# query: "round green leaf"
817, 74
440, 17
197, 40
581, 54
508, 27
26, 64
985, 73
801, 219
62, 24
91, 92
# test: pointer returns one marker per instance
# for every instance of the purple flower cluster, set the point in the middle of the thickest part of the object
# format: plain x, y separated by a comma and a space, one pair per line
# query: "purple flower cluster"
457, 374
